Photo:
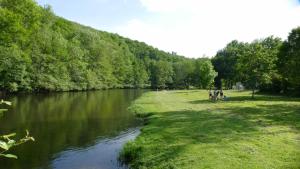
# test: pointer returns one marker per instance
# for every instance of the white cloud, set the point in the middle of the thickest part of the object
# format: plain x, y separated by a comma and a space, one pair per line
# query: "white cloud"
197, 27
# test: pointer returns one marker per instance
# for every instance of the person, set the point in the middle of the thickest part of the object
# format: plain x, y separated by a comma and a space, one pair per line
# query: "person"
210, 95
214, 95
221, 94
217, 95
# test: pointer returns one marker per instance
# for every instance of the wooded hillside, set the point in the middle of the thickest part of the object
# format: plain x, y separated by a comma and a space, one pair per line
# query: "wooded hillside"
43, 52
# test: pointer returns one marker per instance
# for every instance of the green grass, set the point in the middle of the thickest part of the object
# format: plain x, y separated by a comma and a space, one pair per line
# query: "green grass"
185, 130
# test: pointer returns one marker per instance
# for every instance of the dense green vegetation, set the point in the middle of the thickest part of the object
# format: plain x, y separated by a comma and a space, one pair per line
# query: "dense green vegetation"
186, 130
40, 51
266, 64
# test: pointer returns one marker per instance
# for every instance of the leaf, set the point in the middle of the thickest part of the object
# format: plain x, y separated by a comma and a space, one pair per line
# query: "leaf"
11, 143
31, 138
9, 156
8, 136
6, 102
4, 145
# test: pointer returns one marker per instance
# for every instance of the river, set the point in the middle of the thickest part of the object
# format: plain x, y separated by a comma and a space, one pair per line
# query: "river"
73, 130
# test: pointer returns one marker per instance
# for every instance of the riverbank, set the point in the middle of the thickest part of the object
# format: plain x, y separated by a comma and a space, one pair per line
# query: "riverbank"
185, 130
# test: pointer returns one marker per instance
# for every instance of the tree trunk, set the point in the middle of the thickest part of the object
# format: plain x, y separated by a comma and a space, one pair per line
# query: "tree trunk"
253, 91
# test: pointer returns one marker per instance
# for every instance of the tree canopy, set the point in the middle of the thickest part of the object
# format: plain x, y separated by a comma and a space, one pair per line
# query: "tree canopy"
268, 64
43, 52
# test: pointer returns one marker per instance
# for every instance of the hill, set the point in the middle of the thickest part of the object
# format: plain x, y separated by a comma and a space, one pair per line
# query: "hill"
43, 52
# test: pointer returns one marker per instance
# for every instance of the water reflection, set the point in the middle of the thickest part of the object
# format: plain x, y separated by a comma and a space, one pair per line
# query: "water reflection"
102, 155
64, 121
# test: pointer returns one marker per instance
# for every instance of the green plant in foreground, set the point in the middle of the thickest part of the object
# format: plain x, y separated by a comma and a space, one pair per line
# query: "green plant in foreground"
6, 141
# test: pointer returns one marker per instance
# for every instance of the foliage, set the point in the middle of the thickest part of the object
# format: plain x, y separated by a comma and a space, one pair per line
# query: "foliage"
140, 75
183, 74
48, 53
289, 61
225, 63
162, 73
6, 141
13, 71
204, 68
254, 64
257, 65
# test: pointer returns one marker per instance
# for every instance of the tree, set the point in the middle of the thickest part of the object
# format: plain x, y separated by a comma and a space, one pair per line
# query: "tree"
204, 74
13, 69
162, 73
225, 63
183, 72
43, 52
272, 45
11, 31
140, 75
289, 60
257, 64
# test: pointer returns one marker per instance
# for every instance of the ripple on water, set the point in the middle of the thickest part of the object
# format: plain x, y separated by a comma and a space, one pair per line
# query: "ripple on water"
102, 155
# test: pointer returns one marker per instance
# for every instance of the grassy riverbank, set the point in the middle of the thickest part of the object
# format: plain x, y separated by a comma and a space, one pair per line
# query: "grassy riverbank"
185, 130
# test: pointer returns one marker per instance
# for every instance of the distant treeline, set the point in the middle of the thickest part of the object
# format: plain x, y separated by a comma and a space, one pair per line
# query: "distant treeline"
270, 64
40, 51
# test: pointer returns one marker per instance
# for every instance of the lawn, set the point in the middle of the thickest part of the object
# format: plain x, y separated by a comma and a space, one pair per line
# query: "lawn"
185, 130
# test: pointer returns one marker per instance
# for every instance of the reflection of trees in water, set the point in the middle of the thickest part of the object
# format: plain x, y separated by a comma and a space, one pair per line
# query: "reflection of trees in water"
62, 120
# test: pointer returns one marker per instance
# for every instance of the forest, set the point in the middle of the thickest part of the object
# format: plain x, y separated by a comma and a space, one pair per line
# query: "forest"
43, 52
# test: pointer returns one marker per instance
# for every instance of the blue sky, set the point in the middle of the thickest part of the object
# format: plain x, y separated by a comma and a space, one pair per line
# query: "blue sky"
101, 14
193, 28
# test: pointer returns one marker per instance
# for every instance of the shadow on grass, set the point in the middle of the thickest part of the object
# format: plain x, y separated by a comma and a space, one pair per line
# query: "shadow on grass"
176, 130
228, 123
249, 98
186, 91
203, 102
264, 98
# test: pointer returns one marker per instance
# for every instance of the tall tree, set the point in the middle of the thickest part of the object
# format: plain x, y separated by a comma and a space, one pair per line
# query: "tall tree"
204, 73
225, 63
140, 75
183, 72
162, 73
257, 65
289, 60
13, 69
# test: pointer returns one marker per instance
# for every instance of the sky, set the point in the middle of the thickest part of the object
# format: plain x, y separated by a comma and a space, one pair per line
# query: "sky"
192, 28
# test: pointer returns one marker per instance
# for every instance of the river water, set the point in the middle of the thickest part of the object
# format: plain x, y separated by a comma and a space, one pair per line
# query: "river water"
73, 130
